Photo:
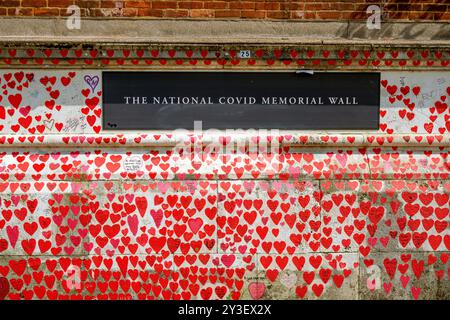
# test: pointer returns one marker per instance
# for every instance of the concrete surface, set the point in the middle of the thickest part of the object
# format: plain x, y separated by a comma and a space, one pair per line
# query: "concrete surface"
159, 31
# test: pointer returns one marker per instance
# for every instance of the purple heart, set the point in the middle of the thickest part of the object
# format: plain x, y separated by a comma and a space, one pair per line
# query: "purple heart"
92, 81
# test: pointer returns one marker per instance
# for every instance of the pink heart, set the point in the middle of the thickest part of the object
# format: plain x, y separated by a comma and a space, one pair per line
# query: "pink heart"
133, 223
256, 290
157, 216
195, 224
13, 235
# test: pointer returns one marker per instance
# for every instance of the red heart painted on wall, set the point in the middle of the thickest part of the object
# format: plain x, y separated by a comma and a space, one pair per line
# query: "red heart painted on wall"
4, 287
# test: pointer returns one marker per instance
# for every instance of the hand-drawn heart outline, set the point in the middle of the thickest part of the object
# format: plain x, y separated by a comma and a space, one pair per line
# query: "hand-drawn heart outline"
92, 81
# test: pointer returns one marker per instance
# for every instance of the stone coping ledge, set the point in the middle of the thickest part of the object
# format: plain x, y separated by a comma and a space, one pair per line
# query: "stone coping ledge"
164, 139
186, 31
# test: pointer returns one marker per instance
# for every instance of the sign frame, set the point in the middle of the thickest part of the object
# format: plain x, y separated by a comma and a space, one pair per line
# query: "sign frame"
110, 126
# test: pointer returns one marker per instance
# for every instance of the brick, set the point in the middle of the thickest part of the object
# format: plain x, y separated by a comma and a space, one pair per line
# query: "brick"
169, 13
9, 3
343, 6
138, 4
164, 5
60, 3
145, 12
49, 12
20, 12
190, 5
398, 15
445, 16
298, 14
307, 15
435, 7
215, 5
292, 6
103, 12
129, 12
278, 14
320, 6
242, 5
267, 6
329, 15
410, 7
201, 13
227, 14
88, 4
253, 14
351, 15
34, 3
108, 4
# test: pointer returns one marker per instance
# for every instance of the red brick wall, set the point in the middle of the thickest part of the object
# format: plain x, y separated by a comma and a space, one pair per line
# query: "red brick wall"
233, 9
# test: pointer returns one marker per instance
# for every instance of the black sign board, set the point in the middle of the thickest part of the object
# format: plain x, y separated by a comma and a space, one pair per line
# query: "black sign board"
240, 100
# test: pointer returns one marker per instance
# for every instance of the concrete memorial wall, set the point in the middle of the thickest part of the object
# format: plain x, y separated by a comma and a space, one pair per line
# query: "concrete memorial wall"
89, 212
